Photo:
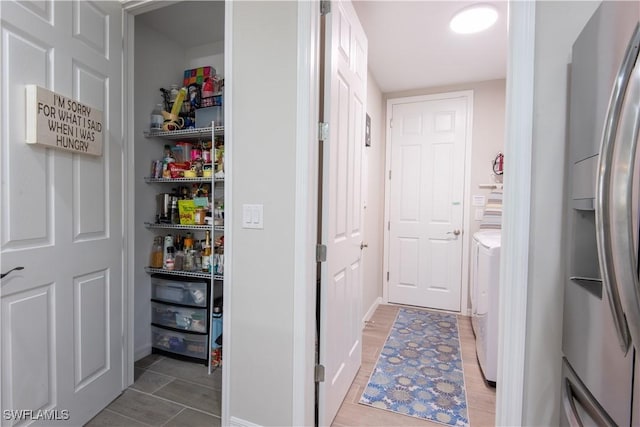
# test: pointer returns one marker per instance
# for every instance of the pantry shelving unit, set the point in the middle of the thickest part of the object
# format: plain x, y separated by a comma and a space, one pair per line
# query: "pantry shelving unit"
165, 330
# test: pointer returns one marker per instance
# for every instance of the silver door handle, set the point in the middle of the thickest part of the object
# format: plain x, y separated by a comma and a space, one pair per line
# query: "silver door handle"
454, 232
621, 236
574, 390
8, 272
363, 245
603, 189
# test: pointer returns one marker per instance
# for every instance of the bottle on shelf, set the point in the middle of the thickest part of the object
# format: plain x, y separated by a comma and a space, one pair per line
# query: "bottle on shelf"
169, 261
168, 243
167, 158
206, 253
157, 253
156, 118
189, 254
175, 213
179, 258
173, 93
218, 264
188, 241
198, 255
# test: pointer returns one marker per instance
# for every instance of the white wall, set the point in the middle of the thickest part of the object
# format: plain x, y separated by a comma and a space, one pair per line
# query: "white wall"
263, 162
210, 54
487, 133
557, 26
158, 63
374, 156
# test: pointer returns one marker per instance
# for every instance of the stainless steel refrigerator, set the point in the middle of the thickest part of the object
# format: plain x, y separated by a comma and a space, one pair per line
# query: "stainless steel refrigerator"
601, 326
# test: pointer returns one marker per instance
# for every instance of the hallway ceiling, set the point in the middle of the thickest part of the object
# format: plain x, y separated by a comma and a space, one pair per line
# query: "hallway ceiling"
410, 44
412, 47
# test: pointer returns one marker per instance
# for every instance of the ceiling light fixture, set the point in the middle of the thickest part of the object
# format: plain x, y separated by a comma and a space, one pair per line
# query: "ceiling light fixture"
474, 19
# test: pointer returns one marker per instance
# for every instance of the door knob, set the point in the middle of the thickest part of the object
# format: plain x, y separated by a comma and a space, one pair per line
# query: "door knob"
454, 232
363, 245
13, 269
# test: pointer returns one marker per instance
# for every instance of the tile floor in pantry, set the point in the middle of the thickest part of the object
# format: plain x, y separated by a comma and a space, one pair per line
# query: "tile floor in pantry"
166, 392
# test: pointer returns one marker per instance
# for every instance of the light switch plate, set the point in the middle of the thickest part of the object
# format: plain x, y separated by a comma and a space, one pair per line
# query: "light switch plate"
253, 216
478, 214
478, 200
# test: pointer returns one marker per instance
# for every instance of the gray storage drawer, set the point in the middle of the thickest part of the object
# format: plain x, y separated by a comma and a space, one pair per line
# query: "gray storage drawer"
185, 344
179, 291
189, 319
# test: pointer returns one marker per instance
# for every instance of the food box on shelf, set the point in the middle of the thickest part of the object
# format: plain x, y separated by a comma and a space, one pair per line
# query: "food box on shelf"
187, 211
197, 75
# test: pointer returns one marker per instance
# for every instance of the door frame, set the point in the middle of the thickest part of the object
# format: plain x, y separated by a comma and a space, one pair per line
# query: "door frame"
514, 266
131, 8
466, 238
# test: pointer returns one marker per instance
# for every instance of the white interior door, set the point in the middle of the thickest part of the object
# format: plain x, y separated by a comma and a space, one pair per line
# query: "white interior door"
60, 317
345, 89
426, 202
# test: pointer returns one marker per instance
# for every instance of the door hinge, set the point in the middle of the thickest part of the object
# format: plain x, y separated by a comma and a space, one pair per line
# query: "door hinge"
321, 253
389, 173
319, 373
325, 7
389, 226
390, 123
323, 131
387, 276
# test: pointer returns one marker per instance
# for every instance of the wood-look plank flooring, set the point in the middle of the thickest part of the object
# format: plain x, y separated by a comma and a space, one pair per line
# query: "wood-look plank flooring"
481, 399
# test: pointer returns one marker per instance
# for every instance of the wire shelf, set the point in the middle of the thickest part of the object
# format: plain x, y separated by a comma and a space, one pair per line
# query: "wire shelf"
178, 226
151, 180
185, 133
201, 274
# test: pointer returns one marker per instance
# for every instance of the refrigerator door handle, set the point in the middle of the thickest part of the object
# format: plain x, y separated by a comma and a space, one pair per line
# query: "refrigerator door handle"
603, 191
574, 390
621, 202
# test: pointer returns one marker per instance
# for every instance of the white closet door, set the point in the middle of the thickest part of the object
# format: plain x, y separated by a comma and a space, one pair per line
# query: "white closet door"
342, 216
60, 317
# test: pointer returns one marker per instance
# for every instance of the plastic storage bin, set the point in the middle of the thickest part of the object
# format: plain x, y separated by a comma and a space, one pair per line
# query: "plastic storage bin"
179, 291
189, 319
183, 344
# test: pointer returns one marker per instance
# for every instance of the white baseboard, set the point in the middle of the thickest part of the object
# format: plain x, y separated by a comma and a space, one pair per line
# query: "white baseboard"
141, 352
372, 309
237, 422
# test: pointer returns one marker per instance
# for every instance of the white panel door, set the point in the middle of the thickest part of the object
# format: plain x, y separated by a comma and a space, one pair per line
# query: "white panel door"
342, 206
426, 202
61, 218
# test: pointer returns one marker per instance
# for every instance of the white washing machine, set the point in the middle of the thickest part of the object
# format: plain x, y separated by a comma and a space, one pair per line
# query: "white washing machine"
485, 282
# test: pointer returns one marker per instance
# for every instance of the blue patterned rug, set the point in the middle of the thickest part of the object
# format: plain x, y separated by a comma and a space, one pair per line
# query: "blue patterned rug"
419, 371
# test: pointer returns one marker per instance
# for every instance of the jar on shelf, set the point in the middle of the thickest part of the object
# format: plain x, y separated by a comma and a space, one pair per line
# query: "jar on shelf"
157, 253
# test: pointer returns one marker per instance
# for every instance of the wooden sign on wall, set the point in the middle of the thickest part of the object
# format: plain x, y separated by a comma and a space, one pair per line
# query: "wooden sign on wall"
55, 121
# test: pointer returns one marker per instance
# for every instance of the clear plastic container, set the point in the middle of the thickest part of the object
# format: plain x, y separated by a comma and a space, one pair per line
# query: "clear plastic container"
156, 118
